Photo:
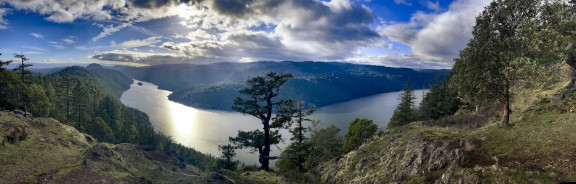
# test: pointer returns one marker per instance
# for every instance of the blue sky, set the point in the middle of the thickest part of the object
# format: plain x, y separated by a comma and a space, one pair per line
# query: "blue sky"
397, 33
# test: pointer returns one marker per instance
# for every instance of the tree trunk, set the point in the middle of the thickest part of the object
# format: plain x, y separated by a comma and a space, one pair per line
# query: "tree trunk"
264, 158
506, 116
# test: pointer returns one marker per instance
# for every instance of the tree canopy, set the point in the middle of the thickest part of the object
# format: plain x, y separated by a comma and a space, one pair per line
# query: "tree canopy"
359, 131
260, 102
511, 40
405, 112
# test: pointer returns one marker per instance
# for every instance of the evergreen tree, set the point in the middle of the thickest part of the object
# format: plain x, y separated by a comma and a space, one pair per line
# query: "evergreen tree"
404, 112
255, 141
299, 149
6, 86
326, 143
228, 152
300, 117
4, 63
511, 39
359, 131
440, 101
100, 130
274, 114
22, 70
66, 81
22, 67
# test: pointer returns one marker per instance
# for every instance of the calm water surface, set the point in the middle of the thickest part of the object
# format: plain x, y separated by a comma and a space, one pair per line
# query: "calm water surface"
204, 130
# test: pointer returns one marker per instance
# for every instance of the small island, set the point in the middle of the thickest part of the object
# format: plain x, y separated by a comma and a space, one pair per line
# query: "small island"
139, 83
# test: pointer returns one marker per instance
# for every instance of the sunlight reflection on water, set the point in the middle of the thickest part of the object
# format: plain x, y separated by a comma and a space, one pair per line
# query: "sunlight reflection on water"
204, 130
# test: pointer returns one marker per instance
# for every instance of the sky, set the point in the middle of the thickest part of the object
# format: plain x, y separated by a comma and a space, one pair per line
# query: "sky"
394, 33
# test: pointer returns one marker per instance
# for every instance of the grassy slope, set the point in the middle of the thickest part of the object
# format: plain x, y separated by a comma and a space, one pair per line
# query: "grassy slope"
52, 152
539, 147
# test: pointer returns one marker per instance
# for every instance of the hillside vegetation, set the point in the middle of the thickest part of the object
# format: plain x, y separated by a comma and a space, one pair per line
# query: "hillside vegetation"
516, 84
473, 146
43, 150
88, 100
215, 86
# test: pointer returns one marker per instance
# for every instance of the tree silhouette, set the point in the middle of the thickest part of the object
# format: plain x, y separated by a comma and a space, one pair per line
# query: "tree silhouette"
4, 63
274, 114
22, 67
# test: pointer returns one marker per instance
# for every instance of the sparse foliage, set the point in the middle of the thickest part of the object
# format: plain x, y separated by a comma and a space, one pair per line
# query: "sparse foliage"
3, 64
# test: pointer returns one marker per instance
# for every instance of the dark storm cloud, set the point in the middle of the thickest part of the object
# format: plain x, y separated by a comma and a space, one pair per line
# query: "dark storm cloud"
153, 4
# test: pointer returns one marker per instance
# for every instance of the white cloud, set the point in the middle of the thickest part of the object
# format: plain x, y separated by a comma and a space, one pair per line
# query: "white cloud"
3, 22
437, 36
404, 2
32, 53
433, 5
107, 30
36, 35
138, 43
304, 30
68, 41
59, 46
122, 12
82, 47
34, 48
223, 30
402, 61
69, 10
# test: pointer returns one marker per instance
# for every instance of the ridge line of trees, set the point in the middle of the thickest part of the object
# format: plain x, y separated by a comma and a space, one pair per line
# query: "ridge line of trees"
78, 97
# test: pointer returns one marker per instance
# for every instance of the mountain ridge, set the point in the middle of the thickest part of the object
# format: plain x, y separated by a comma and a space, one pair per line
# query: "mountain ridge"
215, 86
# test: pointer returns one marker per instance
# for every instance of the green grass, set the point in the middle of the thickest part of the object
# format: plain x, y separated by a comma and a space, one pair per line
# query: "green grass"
30, 158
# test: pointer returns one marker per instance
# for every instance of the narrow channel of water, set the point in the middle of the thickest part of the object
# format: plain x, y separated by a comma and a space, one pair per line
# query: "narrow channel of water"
204, 130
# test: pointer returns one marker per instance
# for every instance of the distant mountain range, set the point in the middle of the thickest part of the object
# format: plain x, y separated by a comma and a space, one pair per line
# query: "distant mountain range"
215, 86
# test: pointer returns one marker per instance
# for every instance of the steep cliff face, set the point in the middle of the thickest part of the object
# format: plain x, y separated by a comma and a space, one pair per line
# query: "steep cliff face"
43, 150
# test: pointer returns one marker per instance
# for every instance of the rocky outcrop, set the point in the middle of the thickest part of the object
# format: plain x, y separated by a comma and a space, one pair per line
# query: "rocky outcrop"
12, 131
395, 158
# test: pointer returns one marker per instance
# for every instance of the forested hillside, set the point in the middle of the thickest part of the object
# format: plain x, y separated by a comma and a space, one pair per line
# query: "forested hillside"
515, 93
43, 150
89, 101
214, 86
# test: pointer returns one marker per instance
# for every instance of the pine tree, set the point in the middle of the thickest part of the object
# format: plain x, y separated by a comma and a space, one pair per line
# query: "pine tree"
440, 101
228, 152
300, 117
274, 114
404, 112
4, 63
22, 70
511, 40
298, 150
